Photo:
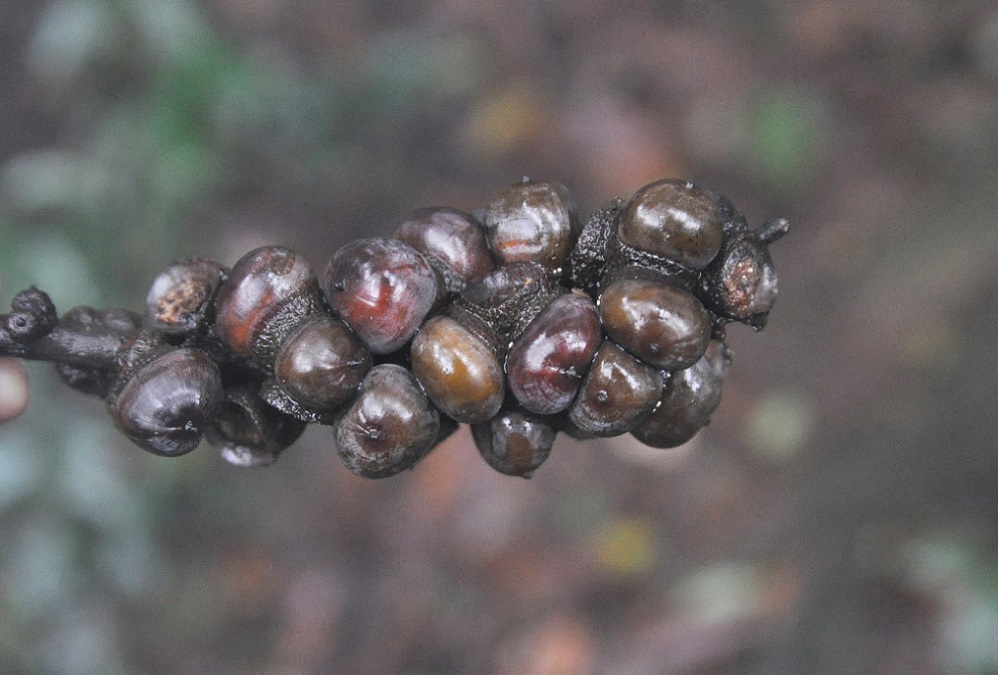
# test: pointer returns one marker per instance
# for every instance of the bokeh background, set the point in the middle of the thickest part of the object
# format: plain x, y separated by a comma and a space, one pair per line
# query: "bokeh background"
840, 515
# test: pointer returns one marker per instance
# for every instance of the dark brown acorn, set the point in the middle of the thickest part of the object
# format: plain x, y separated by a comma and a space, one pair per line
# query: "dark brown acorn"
322, 363
741, 283
390, 425
383, 289
459, 370
546, 364
617, 393
450, 237
673, 219
662, 324
532, 222
689, 398
269, 293
248, 432
166, 405
181, 298
514, 443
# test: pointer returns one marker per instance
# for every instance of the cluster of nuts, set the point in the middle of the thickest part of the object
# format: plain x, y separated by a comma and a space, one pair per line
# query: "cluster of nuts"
516, 320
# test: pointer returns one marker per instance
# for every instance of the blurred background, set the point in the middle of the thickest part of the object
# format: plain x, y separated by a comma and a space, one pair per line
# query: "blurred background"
840, 515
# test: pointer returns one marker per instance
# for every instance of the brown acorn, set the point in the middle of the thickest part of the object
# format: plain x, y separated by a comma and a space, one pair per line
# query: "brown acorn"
459, 370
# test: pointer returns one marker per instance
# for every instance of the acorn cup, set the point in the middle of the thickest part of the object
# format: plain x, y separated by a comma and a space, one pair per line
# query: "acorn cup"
32, 315
107, 326
509, 299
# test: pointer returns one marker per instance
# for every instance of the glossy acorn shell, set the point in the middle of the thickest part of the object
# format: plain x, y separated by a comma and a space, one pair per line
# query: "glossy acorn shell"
460, 372
673, 219
269, 293
166, 405
452, 237
390, 425
249, 433
514, 443
383, 289
532, 222
662, 324
688, 400
322, 363
617, 393
546, 364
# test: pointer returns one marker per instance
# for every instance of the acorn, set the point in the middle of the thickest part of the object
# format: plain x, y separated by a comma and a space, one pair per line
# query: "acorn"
688, 400
165, 405
322, 363
383, 289
532, 222
389, 426
451, 240
741, 283
181, 299
673, 219
618, 392
514, 442
247, 432
460, 370
661, 323
268, 294
546, 364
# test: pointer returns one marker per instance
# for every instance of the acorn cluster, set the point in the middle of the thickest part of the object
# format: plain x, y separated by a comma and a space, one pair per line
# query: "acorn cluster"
516, 320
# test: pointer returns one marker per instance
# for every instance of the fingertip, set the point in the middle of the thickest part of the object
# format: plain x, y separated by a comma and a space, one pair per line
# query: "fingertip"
13, 389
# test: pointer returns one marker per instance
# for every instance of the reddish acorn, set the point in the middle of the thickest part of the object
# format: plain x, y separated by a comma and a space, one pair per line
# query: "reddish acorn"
383, 289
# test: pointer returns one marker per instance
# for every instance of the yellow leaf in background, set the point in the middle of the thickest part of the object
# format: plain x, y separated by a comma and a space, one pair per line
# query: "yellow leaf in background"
626, 546
503, 121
